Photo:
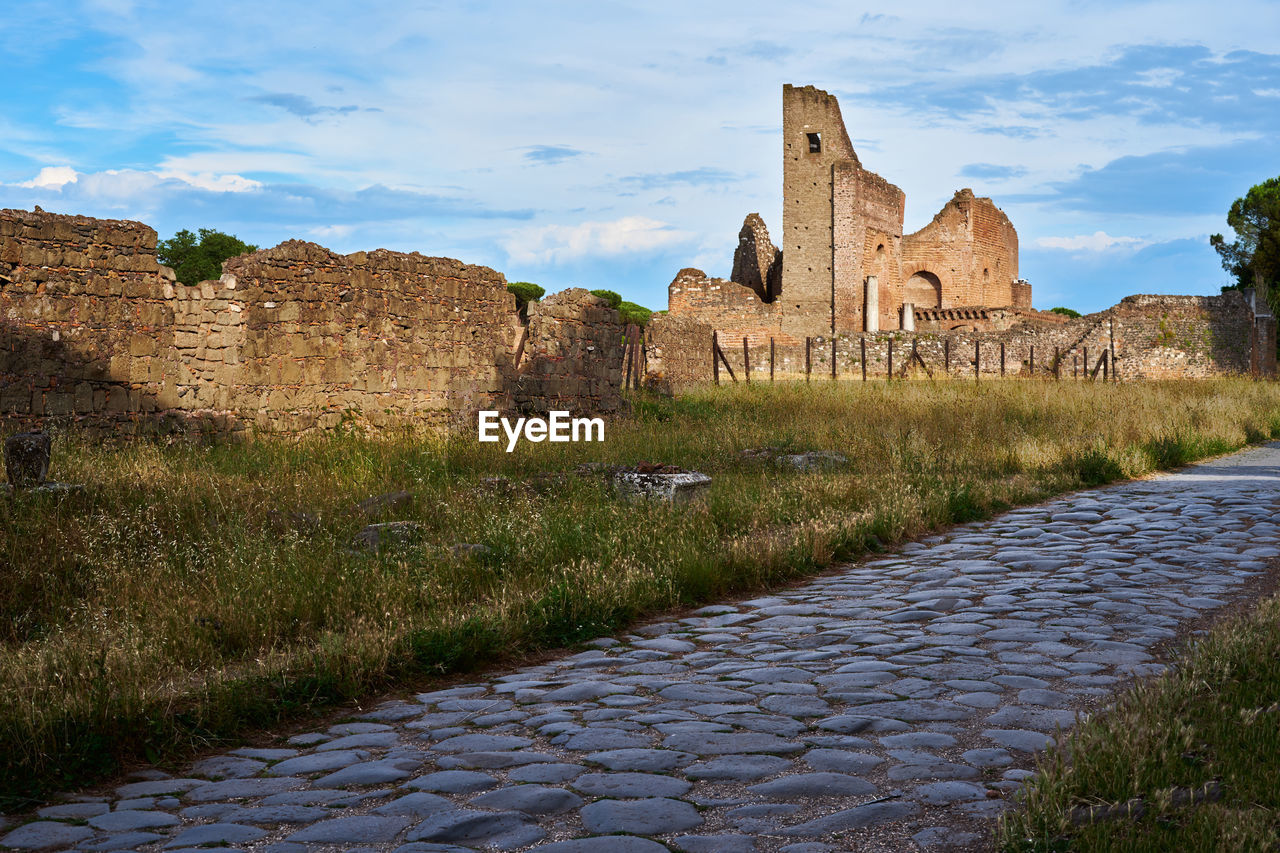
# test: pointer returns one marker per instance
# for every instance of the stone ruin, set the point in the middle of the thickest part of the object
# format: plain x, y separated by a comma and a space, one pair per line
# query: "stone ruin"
846, 281
289, 339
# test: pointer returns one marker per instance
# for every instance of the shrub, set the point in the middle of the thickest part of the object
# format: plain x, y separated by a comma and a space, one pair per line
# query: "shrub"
614, 299
1066, 312
630, 312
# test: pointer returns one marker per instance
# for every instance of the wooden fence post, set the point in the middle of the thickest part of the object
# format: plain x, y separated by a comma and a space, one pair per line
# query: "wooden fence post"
1057, 363
715, 357
889, 376
628, 355
833, 355
977, 359
1086, 360
808, 361
1033, 361
1002, 359
863, 341
771, 359
946, 356
746, 360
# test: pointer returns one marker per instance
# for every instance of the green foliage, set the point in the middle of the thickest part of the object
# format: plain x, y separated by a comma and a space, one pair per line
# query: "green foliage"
630, 312
614, 299
1066, 312
1254, 256
526, 291
199, 258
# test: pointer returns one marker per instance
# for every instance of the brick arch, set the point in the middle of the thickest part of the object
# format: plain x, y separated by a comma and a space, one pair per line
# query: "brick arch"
922, 288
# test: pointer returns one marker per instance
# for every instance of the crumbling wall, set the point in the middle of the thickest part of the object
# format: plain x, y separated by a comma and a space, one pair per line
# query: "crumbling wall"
972, 248
678, 352
732, 309
757, 263
85, 324
395, 337
573, 357
290, 339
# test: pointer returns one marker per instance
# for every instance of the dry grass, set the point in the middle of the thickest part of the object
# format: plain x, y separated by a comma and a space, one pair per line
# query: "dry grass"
167, 606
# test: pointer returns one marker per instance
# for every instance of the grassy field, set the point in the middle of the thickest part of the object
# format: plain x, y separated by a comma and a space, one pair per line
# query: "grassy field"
1211, 726
178, 600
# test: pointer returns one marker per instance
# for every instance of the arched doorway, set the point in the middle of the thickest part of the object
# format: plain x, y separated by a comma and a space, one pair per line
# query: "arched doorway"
923, 290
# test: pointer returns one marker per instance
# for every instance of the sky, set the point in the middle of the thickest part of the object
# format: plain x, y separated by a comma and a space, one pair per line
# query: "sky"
610, 144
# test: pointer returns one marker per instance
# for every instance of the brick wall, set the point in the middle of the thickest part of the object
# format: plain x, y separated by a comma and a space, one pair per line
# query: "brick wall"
290, 339
973, 250
734, 310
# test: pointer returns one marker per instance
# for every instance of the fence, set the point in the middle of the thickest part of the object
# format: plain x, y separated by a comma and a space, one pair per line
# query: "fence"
898, 356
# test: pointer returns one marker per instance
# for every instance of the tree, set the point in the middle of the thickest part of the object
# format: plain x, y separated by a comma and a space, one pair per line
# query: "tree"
196, 259
526, 292
1254, 256
1066, 312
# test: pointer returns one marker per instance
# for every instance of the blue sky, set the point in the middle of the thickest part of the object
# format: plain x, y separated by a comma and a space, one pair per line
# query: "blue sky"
609, 144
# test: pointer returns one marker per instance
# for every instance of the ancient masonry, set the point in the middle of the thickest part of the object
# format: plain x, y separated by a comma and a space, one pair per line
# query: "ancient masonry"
289, 339
847, 282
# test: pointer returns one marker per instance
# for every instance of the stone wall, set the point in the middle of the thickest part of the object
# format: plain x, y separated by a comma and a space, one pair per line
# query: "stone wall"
290, 339
757, 263
87, 324
678, 352
1144, 337
573, 357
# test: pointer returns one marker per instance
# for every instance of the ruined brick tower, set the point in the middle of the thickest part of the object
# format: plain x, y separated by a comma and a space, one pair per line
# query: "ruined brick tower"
844, 264
842, 224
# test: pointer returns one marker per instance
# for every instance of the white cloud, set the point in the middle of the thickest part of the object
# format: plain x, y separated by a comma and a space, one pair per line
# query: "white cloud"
213, 182
52, 178
550, 244
331, 231
1098, 241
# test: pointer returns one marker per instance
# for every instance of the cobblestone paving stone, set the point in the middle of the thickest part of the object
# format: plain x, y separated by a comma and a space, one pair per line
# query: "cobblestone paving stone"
893, 705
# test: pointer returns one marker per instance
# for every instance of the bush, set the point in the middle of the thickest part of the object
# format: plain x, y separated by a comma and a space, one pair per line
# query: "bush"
526, 291
199, 258
1066, 312
630, 312
614, 299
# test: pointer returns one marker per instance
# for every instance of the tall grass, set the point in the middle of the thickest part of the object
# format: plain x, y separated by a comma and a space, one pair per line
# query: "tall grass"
1213, 719
178, 600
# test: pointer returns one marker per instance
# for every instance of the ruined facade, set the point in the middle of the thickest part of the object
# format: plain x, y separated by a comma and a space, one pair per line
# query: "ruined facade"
844, 264
93, 329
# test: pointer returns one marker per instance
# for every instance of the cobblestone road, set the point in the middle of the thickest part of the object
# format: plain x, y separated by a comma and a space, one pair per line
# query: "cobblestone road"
893, 705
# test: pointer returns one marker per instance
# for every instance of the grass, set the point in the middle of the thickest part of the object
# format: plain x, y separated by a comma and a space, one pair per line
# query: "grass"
1214, 718
173, 603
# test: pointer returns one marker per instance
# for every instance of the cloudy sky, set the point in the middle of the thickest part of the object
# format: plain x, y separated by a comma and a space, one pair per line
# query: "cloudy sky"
609, 144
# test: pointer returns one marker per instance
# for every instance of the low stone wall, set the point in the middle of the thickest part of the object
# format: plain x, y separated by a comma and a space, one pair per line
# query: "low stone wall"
290, 339
1144, 337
